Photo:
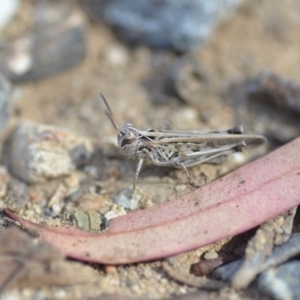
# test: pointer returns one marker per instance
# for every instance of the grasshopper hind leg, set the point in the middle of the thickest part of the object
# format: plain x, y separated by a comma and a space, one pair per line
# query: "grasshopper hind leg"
186, 172
215, 158
233, 130
192, 182
236, 130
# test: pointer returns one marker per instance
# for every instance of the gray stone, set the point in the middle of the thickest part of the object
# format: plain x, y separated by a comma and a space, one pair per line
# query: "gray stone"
182, 25
283, 252
59, 44
36, 152
261, 247
280, 254
5, 96
282, 282
227, 271
128, 201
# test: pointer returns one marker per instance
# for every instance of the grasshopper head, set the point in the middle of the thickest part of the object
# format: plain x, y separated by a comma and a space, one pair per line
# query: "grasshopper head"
128, 139
128, 136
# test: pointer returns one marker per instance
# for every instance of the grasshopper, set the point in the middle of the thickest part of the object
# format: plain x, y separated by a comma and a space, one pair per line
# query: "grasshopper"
179, 149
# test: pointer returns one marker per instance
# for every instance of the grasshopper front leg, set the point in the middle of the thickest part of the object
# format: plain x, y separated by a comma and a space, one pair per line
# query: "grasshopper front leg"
137, 172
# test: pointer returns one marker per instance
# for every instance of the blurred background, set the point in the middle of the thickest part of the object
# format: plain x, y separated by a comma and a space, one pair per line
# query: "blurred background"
195, 64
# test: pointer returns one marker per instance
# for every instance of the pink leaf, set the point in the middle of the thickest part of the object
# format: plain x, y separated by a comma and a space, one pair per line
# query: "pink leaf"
236, 202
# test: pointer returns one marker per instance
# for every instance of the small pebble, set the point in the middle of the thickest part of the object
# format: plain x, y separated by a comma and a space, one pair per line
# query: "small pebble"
115, 211
87, 220
180, 188
211, 254
148, 273
110, 269
92, 170
116, 55
60, 293
135, 288
238, 157
124, 199
104, 210
56, 209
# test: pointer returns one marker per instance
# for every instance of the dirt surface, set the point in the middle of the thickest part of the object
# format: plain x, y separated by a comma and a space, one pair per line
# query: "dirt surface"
262, 35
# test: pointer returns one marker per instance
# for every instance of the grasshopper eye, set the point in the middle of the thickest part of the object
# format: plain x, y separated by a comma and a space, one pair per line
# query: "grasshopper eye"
127, 142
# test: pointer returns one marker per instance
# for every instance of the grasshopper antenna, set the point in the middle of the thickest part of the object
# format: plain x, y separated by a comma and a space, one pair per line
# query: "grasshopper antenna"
110, 115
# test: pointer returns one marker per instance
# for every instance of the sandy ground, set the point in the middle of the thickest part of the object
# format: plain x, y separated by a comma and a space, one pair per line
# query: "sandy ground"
262, 35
